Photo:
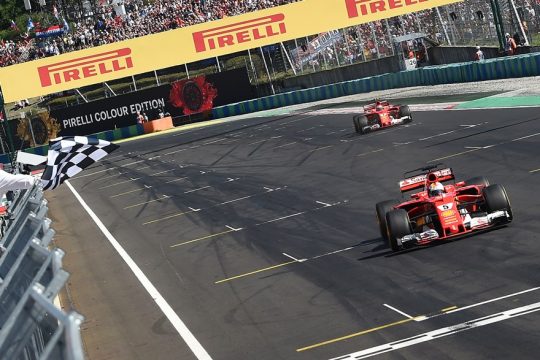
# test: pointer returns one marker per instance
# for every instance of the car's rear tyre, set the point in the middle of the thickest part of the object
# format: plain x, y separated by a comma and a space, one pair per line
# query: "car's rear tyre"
479, 180
382, 209
404, 110
356, 123
399, 225
496, 199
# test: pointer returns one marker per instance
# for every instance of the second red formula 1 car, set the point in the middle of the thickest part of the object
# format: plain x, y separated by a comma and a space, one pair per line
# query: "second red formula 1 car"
441, 212
381, 114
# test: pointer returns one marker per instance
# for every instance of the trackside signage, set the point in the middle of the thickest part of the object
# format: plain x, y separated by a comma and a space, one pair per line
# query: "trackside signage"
85, 67
241, 32
198, 42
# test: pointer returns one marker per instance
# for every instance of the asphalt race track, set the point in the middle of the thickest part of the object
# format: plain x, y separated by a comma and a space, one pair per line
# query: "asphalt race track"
261, 235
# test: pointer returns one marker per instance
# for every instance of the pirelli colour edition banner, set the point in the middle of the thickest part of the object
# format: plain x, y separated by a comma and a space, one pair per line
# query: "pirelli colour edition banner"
198, 42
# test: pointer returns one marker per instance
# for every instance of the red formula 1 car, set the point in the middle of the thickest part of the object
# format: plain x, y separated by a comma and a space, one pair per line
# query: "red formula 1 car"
441, 212
381, 114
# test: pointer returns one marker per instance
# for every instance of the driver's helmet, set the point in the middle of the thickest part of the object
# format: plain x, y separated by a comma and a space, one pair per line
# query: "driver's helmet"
436, 189
379, 107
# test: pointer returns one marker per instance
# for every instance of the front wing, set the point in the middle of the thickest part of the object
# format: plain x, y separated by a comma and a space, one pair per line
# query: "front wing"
472, 224
396, 121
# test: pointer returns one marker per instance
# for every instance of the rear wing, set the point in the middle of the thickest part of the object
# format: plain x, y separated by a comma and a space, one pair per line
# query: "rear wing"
418, 181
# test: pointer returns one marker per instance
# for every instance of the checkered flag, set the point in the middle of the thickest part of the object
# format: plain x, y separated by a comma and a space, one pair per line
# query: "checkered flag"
68, 156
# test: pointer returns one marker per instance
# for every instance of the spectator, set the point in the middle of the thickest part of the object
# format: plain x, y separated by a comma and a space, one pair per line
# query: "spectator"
140, 118
479, 55
510, 45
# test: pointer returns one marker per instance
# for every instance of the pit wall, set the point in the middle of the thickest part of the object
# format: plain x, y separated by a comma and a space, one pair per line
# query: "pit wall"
490, 69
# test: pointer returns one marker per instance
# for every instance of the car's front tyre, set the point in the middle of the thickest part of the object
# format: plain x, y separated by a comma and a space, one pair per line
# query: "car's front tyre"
497, 199
382, 208
399, 225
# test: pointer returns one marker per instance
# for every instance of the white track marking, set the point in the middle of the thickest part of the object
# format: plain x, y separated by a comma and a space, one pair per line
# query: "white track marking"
322, 148
214, 141
102, 171
533, 171
197, 349
119, 183
281, 218
236, 200
439, 333
164, 197
193, 209
370, 152
323, 203
437, 135
493, 300
175, 151
284, 145
398, 311
332, 253
142, 168
194, 190
129, 192
233, 229
110, 176
474, 148
293, 258
526, 137
258, 142
401, 144
162, 172
311, 128
175, 180
132, 163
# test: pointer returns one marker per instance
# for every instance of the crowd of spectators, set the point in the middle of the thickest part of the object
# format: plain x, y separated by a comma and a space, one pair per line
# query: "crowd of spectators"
461, 23
139, 19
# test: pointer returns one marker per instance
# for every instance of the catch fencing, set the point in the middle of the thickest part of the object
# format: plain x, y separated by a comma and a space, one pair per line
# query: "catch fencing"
31, 277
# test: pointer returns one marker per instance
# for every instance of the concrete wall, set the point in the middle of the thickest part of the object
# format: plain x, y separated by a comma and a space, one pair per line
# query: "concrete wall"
344, 73
456, 54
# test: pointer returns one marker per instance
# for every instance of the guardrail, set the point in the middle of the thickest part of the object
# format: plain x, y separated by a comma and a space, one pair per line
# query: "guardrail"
31, 277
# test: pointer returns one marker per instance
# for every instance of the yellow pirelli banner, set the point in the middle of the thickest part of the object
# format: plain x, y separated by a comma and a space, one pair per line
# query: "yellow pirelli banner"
198, 42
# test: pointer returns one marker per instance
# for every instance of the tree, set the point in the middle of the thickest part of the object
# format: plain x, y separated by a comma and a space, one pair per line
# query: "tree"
11, 10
